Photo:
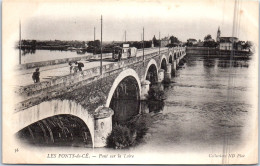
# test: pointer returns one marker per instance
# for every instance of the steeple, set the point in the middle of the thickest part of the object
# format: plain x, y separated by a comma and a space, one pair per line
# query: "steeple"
218, 35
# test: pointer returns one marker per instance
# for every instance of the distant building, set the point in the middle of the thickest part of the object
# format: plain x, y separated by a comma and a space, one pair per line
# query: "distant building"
239, 45
225, 43
200, 44
165, 41
193, 41
209, 40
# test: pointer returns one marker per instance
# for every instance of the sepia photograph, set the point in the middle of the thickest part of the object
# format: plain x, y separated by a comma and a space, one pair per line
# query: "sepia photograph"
130, 82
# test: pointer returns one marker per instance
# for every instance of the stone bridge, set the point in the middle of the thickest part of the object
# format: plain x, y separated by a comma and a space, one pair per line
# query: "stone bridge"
92, 96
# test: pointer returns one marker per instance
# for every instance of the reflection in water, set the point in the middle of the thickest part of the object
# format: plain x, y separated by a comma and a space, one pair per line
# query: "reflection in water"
151, 106
208, 62
190, 61
233, 63
155, 102
125, 101
28, 51
124, 109
60, 130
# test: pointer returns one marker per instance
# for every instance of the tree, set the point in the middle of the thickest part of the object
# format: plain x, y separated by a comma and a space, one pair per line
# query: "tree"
210, 43
95, 43
208, 37
138, 45
247, 45
147, 44
174, 40
189, 44
33, 44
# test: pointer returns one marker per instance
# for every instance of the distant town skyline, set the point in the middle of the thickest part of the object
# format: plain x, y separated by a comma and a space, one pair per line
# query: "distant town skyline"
182, 19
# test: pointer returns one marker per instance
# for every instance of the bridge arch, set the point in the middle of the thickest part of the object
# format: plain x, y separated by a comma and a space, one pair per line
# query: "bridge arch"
120, 77
53, 108
151, 68
163, 63
170, 53
124, 96
171, 59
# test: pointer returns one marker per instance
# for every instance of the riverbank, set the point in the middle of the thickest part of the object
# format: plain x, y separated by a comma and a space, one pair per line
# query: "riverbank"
61, 61
215, 52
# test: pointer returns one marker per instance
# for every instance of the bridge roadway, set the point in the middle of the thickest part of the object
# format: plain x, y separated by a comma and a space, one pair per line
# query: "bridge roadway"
89, 95
24, 77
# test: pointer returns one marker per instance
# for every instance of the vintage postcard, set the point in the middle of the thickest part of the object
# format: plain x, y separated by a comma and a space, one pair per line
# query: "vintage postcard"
130, 82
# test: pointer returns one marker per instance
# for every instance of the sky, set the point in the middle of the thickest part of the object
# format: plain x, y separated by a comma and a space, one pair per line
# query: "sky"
183, 19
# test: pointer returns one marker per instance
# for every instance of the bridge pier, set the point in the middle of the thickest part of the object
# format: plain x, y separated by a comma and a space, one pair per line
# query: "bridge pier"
144, 108
168, 76
160, 87
177, 61
103, 125
145, 87
173, 67
160, 75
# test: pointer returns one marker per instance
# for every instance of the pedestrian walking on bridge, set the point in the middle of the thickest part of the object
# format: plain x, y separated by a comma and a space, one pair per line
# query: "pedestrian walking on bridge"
80, 65
36, 76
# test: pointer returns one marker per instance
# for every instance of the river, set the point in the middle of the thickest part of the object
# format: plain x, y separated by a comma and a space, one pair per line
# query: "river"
29, 56
207, 105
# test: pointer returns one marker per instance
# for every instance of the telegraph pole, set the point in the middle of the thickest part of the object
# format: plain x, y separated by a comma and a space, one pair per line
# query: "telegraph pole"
94, 52
20, 44
94, 33
125, 36
101, 49
159, 41
143, 43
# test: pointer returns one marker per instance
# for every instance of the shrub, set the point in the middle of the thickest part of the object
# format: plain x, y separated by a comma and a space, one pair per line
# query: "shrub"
139, 126
120, 137
129, 134
156, 94
155, 105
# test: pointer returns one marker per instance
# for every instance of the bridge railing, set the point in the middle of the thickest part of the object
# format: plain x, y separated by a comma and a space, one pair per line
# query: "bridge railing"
70, 79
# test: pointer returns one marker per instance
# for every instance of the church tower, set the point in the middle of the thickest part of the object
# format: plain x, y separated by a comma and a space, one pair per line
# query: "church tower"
218, 35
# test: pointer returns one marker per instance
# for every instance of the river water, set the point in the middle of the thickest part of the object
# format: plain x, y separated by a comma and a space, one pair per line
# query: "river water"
29, 56
208, 104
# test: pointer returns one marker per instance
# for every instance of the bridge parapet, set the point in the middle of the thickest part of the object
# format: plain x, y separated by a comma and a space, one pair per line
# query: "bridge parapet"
55, 86
33, 89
